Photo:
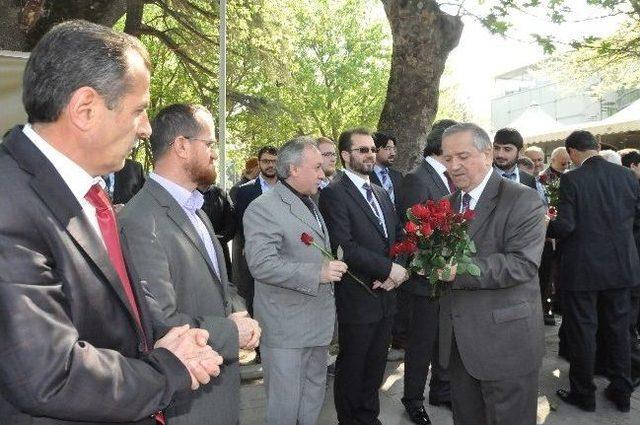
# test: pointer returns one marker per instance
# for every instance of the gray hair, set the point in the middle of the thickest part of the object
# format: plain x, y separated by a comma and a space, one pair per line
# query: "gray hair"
611, 156
291, 153
557, 151
537, 149
77, 54
480, 138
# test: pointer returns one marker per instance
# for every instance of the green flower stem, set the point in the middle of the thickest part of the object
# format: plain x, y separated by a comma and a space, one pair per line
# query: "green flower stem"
331, 257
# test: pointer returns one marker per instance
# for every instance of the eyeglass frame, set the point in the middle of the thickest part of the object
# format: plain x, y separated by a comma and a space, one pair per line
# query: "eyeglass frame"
362, 150
209, 143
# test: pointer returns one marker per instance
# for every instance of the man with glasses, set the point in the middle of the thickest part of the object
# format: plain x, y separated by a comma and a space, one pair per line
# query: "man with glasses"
178, 259
327, 149
362, 221
267, 158
383, 175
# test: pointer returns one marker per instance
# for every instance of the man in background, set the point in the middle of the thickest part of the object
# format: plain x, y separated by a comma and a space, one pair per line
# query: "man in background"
428, 180
507, 144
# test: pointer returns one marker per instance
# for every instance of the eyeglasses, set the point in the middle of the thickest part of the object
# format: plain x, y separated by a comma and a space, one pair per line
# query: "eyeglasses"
365, 150
208, 142
269, 161
329, 154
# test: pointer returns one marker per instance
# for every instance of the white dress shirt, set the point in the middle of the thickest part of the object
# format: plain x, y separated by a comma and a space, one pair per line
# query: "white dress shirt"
477, 191
440, 169
75, 177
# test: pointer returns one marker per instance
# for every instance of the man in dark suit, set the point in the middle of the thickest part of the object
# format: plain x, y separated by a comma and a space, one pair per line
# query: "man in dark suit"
507, 144
123, 184
78, 345
220, 210
362, 221
390, 180
267, 157
429, 180
383, 175
491, 325
598, 211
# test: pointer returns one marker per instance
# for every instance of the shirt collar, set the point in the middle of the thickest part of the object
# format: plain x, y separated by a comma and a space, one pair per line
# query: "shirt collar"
190, 201
356, 179
437, 165
477, 191
78, 180
513, 170
379, 169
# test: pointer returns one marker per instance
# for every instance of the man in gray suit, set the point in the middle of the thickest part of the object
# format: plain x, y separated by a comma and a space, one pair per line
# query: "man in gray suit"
293, 286
491, 326
174, 252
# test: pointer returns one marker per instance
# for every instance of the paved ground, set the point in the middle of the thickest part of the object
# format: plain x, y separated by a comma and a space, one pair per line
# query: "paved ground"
551, 411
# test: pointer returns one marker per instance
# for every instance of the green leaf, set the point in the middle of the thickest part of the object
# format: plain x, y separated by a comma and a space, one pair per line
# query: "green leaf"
473, 270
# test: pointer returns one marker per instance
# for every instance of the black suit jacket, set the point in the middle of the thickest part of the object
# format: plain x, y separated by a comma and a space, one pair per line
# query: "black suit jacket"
419, 185
71, 350
354, 227
598, 211
396, 179
246, 193
128, 182
220, 211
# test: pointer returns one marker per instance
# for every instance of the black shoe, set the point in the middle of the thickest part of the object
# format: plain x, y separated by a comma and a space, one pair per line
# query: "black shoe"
417, 414
440, 403
582, 403
620, 400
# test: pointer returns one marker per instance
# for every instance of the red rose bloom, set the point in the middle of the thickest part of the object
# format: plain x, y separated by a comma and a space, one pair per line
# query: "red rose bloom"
410, 227
426, 230
468, 215
306, 239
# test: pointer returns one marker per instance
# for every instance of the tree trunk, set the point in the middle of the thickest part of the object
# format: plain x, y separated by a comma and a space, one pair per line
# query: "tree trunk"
423, 37
23, 23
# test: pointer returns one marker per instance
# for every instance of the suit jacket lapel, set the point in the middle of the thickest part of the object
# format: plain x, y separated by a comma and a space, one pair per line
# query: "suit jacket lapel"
433, 175
55, 193
179, 217
355, 193
486, 204
216, 246
386, 212
300, 210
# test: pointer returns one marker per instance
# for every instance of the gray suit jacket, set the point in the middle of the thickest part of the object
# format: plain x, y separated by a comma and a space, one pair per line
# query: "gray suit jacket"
181, 287
294, 309
497, 317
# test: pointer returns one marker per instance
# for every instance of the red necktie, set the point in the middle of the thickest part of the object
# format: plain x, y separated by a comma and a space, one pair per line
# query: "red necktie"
107, 223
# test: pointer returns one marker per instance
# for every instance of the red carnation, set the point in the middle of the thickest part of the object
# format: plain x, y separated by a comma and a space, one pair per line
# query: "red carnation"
410, 227
468, 215
552, 212
306, 239
420, 211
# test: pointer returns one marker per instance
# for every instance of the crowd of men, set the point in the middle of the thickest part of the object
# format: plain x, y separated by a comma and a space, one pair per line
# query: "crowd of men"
116, 294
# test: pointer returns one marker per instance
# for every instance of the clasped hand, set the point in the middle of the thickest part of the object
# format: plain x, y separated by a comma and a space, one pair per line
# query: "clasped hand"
249, 330
397, 276
190, 347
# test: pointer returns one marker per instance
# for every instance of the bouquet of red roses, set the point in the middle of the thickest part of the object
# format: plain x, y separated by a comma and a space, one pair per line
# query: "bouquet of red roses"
436, 239
552, 192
